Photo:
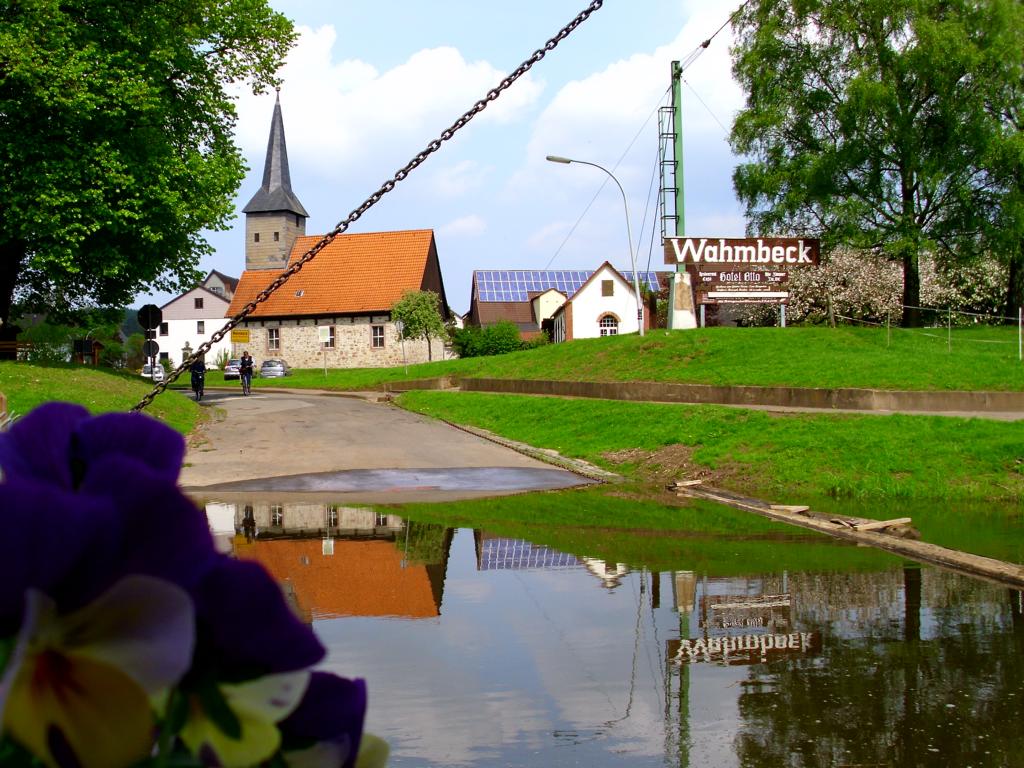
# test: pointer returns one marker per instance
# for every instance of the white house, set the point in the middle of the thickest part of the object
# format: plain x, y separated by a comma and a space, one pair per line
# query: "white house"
605, 305
194, 317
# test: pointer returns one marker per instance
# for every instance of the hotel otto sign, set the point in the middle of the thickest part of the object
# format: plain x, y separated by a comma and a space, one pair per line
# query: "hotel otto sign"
741, 270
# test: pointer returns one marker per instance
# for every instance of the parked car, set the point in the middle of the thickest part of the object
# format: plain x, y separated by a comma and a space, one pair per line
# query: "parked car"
231, 369
154, 372
272, 369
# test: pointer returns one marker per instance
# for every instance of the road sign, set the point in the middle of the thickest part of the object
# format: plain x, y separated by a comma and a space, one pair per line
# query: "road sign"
150, 349
239, 336
150, 317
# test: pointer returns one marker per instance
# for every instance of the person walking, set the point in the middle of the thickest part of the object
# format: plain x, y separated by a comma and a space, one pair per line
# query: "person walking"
245, 368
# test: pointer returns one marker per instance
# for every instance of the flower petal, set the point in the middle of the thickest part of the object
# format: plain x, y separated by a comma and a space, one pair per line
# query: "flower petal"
246, 625
373, 753
143, 626
51, 541
258, 705
332, 710
68, 709
135, 435
38, 445
165, 533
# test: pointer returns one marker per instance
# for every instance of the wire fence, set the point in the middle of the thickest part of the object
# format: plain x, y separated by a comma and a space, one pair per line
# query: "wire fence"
954, 326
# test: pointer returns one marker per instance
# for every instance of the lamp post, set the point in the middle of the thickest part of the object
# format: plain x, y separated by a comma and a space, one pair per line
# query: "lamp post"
629, 235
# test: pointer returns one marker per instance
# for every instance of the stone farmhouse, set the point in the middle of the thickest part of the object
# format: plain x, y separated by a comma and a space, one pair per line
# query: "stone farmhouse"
336, 311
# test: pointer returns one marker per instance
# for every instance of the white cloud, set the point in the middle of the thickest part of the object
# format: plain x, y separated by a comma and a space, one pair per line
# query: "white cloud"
339, 112
458, 179
466, 226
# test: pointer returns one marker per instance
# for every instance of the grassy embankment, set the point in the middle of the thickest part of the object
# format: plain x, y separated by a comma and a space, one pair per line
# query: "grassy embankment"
98, 389
982, 358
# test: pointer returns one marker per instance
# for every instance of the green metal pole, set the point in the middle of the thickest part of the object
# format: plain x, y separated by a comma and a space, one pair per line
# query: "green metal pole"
677, 150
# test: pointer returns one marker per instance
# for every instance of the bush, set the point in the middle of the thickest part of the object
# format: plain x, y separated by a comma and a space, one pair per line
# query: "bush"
497, 339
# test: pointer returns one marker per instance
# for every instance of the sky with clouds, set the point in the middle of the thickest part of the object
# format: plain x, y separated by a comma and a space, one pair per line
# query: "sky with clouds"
370, 84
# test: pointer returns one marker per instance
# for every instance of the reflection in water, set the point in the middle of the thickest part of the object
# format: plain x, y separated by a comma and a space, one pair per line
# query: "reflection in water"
528, 659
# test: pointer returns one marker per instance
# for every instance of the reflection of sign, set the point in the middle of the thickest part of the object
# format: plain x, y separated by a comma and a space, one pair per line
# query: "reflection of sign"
239, 336
728, 612
742, 649
741, 271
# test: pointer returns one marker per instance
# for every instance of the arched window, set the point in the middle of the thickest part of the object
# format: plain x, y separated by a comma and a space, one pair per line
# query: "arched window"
609, 325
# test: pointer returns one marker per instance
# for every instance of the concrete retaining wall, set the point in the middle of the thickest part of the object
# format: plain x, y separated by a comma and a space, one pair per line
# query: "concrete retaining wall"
783, 397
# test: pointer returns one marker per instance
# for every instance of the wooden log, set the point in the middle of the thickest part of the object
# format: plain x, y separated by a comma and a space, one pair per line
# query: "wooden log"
795, 508
877, 525
990, 569
687, 483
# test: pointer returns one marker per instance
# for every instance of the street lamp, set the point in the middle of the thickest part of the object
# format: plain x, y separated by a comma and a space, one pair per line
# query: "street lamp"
629, 235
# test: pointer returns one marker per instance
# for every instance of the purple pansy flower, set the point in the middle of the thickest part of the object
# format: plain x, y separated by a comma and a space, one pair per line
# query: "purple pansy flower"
59, 443
246, 626
332, 712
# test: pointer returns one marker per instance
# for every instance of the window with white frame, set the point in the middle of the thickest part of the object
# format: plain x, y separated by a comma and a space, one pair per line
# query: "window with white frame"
274, 339
377, 336
328, 343
609, 325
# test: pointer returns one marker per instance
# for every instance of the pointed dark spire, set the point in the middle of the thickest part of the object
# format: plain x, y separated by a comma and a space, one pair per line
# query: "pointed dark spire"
276, 193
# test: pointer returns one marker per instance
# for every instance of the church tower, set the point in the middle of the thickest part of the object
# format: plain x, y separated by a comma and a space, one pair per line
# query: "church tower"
274, 217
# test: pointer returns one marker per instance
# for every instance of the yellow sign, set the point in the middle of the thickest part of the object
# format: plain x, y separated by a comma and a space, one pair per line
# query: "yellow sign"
239, 337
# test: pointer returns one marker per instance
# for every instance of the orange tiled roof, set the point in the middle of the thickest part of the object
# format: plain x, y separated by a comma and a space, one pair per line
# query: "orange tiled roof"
361, 578
355, 273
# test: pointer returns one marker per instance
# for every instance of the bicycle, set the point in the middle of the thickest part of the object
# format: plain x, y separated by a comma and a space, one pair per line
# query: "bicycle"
198, 381
246, 383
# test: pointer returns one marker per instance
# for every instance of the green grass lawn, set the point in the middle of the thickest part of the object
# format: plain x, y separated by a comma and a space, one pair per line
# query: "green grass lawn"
978, 358
98, 389
784, 457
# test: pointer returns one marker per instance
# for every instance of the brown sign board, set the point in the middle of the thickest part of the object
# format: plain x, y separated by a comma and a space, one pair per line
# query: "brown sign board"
713, 254
750, 270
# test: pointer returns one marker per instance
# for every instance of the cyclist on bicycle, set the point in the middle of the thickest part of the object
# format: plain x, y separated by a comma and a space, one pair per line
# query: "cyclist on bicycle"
245, 368
198, 369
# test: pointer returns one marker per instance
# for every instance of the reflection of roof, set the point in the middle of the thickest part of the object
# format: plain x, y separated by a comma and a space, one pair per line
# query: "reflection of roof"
366, 272
361, 578
496, 553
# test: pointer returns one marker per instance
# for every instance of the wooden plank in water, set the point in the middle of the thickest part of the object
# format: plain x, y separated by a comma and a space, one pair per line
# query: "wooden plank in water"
877, 525
990, 569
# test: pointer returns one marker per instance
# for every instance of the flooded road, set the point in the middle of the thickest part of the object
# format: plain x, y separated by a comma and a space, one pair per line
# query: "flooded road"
483, 649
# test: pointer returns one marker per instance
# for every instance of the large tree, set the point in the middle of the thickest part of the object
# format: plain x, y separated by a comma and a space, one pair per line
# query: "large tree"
864, 123
116, 141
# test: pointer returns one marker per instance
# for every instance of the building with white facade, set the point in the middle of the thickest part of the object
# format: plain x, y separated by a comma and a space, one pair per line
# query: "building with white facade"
604, 305
194, 316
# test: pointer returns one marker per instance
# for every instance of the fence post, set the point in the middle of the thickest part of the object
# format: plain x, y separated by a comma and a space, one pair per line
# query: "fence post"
888, 329
1020, 332
949, 330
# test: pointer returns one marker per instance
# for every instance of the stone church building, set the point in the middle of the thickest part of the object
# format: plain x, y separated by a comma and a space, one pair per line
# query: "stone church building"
336, 311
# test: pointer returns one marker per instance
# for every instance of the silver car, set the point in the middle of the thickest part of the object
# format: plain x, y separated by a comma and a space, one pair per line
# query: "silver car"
272, 369
154, 372
232, 370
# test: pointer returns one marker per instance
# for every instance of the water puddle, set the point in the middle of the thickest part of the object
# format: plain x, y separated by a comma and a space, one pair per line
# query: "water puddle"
482, 648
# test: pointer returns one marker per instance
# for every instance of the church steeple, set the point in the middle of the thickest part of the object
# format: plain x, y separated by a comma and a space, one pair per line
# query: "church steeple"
274, 217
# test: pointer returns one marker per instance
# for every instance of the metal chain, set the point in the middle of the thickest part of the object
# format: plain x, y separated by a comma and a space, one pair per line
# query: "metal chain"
372, 200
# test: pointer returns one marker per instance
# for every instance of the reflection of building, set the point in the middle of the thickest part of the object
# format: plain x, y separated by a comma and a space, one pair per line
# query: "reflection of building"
351, 577
281, 520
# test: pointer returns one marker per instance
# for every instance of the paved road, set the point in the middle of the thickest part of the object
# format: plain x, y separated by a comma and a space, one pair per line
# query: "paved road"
276, 445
